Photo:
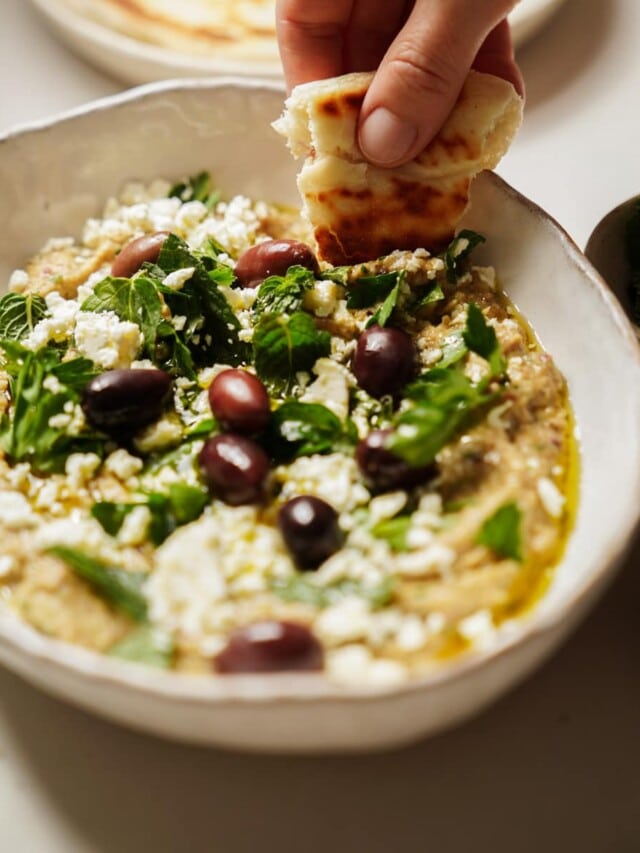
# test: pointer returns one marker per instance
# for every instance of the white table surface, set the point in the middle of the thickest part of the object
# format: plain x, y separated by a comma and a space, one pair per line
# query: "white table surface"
552, 767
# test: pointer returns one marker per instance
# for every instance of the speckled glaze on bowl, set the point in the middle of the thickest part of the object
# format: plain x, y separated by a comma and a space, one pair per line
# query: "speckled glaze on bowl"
57, 173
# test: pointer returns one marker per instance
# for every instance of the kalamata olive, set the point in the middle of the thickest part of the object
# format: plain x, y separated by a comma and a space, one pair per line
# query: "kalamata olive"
135, 253
384, 360
235, 468
239, 401
384, 470
270, 646
123, 401
310, 530
273, 257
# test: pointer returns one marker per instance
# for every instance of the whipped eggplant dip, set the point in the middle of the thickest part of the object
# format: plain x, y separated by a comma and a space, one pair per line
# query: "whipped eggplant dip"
219, 455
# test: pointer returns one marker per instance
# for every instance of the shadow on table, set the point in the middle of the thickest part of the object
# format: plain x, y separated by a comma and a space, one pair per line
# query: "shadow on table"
568, 45
548, 768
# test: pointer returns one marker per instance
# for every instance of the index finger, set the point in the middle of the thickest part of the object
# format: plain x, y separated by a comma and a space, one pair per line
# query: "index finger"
311, 38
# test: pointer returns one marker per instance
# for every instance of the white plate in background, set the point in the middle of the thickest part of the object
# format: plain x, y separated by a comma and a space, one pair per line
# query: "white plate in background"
134, 62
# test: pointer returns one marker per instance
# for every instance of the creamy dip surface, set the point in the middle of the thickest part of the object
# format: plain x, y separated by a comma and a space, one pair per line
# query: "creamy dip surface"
218, 458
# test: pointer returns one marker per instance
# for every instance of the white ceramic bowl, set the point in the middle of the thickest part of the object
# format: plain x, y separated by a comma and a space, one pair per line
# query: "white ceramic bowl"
55, 174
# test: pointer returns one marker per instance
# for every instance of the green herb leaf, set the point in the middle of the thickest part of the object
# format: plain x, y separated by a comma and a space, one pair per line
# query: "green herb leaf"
19, 314
369, 289
26, 433
302, 429
122, 589
211, 329
284, 294
501, 532
481, 338
301, 588
394, 530
181, 504
284, 346
384, 312
196, 188
134, 300
147, 645
431, 296
444, 401
457, 253
454, 349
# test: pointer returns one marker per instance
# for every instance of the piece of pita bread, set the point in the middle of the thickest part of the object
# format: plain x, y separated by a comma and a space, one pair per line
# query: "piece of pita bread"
359, 211
225, 29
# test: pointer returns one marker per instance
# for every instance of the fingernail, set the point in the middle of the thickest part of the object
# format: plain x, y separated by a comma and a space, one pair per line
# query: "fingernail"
385, 138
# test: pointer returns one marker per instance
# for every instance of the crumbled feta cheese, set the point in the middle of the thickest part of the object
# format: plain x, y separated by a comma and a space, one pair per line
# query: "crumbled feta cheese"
434, 558
18, 281
105, 339
333, 478
322, 298
330, 388
123, 465
165, 432
176, 280
551, 497
477, 627
355, 665
80, 468
15, 511
58, 326
135, 526
343, 622
7, 565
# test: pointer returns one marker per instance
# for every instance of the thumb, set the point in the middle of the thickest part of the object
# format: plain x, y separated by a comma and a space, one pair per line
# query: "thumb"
421, 75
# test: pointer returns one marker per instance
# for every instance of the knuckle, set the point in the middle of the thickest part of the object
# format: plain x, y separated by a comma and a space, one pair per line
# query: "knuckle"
433, 73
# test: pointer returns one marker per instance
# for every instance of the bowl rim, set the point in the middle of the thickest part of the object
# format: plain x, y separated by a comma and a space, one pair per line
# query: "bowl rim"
19, 638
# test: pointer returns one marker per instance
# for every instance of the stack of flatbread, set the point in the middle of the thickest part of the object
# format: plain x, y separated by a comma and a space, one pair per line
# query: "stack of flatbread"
359, 211
226, 29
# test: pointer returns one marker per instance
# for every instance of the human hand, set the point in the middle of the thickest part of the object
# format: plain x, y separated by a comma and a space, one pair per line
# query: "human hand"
423, 51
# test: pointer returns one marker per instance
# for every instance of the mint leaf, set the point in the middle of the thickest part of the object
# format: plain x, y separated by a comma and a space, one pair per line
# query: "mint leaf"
284, 346
134, 300
19, 314
284, 294
26, 434
147, 645
122, 589
196, 188
481, 338
443, 402
370, 289
501, 532
300, 588
181, 504
457, 253
211, 329
302, 429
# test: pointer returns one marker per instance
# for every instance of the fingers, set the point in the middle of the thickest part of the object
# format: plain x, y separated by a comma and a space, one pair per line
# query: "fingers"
423, 72
496, 57
311, 38
372, 27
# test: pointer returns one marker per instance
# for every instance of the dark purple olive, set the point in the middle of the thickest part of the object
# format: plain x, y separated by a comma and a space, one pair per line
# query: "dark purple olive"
123, 401
239, 401
384, 360
384, 470
273, 257
134, 254
270, 646
310, 529
235, 468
